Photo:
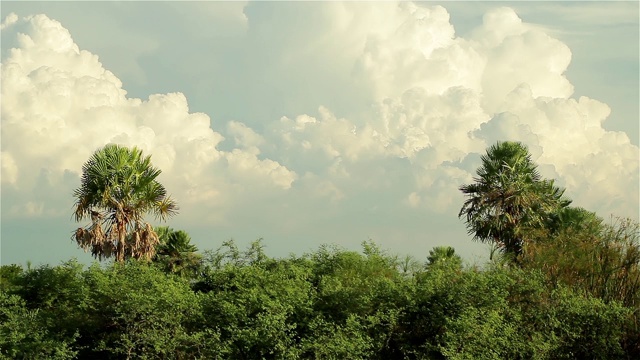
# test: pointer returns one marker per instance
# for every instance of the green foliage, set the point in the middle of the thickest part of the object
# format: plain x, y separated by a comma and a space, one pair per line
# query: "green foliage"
365, 291
59, 294
129, 310
139, 312
254, 303
175, 254
329, 304
338, 341
443, 256
9, 274
596, 259
22, 335
587, 327
572, 219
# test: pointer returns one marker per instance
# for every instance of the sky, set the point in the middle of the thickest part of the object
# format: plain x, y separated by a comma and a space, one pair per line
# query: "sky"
309, 123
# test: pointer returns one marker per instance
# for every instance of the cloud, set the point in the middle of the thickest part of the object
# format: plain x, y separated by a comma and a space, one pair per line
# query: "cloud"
244, 136
59, 104
443, 98
418, 51
374, 136
11, 19
9, 168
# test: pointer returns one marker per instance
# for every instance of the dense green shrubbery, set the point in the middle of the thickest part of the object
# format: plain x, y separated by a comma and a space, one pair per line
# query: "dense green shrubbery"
331, 304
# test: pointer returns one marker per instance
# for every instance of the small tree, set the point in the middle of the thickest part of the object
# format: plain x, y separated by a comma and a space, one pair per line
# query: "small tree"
118, 188
175, 253
443, 255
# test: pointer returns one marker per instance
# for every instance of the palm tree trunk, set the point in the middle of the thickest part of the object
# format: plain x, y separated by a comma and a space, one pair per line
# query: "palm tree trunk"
122, 236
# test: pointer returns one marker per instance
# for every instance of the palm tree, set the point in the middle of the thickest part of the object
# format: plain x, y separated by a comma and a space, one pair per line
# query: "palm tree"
118, 187
175, 252
572, 218
508, 197
443, 255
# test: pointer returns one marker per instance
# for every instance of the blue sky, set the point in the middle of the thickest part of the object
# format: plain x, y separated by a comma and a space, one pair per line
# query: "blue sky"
313, 122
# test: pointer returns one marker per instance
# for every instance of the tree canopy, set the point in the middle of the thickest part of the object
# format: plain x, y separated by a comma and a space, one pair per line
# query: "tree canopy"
329, 304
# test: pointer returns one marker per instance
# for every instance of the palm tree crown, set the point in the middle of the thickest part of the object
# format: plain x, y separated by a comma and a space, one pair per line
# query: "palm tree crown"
443, 254
507, 197
118, 187
175, 253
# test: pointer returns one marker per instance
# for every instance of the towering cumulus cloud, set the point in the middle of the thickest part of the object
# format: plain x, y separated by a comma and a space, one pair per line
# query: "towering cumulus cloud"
393, 134
441, 100
59, 104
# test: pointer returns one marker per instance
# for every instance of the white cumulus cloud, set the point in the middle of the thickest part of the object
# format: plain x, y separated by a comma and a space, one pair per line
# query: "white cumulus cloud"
59, 105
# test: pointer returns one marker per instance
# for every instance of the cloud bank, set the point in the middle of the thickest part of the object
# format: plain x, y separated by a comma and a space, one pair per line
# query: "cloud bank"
59, 104
435, 102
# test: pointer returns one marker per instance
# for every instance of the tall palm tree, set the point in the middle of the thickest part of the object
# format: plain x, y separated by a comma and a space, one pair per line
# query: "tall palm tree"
508, 197
175, 252
118, 187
